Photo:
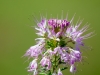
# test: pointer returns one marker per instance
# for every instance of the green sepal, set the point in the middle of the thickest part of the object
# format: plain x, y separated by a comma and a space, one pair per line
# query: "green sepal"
50, 44
45, 73
62, 43
64, 68
42, 73
49, 72
43, 69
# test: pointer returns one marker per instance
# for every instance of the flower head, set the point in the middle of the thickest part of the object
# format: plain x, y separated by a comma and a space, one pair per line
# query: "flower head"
59, 43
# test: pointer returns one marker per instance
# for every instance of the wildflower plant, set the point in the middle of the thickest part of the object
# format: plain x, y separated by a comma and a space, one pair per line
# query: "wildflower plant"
58, 46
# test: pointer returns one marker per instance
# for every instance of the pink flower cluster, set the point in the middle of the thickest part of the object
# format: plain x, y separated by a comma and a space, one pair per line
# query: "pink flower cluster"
58, 45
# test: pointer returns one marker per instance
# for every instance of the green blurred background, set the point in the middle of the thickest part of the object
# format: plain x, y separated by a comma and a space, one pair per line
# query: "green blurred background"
17, 35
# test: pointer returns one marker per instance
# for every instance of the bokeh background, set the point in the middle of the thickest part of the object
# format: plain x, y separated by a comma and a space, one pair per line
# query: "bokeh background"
17, 34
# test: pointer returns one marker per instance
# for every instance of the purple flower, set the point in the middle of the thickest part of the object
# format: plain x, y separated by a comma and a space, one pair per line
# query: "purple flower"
41, 28
57, 49
72, 60
58, 27
65, 57
76, 53
75, 56
59, 72
76, 35
34, 51
72, 68
35, 72
33, 65
46, 62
